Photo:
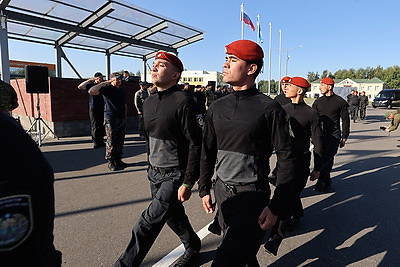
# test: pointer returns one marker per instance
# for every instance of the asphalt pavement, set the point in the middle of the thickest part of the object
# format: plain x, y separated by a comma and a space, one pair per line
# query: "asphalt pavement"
355, 224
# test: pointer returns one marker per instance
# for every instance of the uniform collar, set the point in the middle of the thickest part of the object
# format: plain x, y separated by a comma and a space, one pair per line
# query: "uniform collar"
167, 91
251, 91
329, 96
299, 104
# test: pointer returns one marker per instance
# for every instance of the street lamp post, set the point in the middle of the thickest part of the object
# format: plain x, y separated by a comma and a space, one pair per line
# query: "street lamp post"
288, 57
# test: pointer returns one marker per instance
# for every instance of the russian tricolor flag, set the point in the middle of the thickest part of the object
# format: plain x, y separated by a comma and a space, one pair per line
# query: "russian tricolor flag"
246, 19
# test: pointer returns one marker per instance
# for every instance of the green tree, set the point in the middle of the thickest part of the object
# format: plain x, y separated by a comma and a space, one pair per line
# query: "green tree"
378, 73
392, 77
351, 73
361, 73
340, 74
219, 79
311, 76
369, 73
263, 86
326, 73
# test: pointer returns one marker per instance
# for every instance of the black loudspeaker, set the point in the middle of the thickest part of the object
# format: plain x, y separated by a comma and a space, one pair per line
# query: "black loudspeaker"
212, 83
36, 79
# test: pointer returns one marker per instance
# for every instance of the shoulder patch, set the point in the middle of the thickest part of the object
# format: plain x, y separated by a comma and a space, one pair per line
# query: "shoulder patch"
16, 221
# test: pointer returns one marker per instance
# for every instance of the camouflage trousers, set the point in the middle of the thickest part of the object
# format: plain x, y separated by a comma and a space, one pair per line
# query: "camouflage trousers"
115, 132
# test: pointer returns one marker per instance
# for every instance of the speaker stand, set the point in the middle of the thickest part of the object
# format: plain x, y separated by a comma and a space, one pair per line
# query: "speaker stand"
38, 121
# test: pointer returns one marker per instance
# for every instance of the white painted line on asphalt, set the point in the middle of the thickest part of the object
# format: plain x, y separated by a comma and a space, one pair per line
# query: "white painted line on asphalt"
176, 253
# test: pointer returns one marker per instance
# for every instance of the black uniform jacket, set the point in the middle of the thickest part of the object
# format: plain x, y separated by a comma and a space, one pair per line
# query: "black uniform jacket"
305, 126
282, 99
114, 102
240, 132
173, 132
26, 200
331, 109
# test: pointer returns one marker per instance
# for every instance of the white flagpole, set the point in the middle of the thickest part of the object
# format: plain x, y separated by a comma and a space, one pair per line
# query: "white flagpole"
269, 58
241, 18
280, 59
258, 29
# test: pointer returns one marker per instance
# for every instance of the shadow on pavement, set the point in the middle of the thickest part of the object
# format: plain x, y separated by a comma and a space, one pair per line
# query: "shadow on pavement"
357, 224
74, 159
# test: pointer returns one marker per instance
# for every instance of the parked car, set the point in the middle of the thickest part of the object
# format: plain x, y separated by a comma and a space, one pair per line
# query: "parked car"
387, 98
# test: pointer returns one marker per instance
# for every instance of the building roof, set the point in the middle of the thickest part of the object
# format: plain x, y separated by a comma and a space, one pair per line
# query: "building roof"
373, 80
107, 26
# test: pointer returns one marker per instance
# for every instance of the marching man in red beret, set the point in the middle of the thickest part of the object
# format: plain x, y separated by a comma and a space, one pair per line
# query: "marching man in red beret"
304, 125
173, 132
333, 109
239, 135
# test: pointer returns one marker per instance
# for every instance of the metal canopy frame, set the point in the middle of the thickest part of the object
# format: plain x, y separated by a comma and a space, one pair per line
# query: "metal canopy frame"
114, 28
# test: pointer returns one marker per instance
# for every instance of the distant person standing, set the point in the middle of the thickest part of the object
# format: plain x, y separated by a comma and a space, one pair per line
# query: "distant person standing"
305, 126
334, 112
200, 97
281, 98
96, 110
125, 76
173, 136
363, 105
140, 97
354, 106
210, 95
348, 97
114, 119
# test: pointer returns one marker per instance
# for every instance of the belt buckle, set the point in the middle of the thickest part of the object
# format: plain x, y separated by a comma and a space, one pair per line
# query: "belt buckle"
231, 189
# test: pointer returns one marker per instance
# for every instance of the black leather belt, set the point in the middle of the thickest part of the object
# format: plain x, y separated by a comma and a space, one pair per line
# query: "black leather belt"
165, 171
236, 189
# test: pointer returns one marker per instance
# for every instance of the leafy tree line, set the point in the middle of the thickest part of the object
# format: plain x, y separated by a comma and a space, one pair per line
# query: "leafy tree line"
390, 76
263, 86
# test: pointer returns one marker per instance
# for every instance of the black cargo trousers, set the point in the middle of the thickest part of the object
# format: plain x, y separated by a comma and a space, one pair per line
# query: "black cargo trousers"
164, 208
239, 210
96, 115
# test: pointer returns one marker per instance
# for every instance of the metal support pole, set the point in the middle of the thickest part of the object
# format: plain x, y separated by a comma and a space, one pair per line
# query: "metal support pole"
144, 70
287, 61
4, 54
269, 58
58, 61
288, 57
280, 62
108, 65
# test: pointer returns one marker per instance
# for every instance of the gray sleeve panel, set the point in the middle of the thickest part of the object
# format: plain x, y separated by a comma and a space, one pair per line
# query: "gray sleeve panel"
163, 153
236, 168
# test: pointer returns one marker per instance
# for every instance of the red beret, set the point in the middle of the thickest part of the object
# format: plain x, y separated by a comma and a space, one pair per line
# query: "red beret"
301, 82
285, 79
328, 81
245, 49
174, 60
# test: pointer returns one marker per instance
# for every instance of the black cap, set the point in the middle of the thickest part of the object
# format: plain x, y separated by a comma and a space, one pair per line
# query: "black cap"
116, 75
143, 83
98, 74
